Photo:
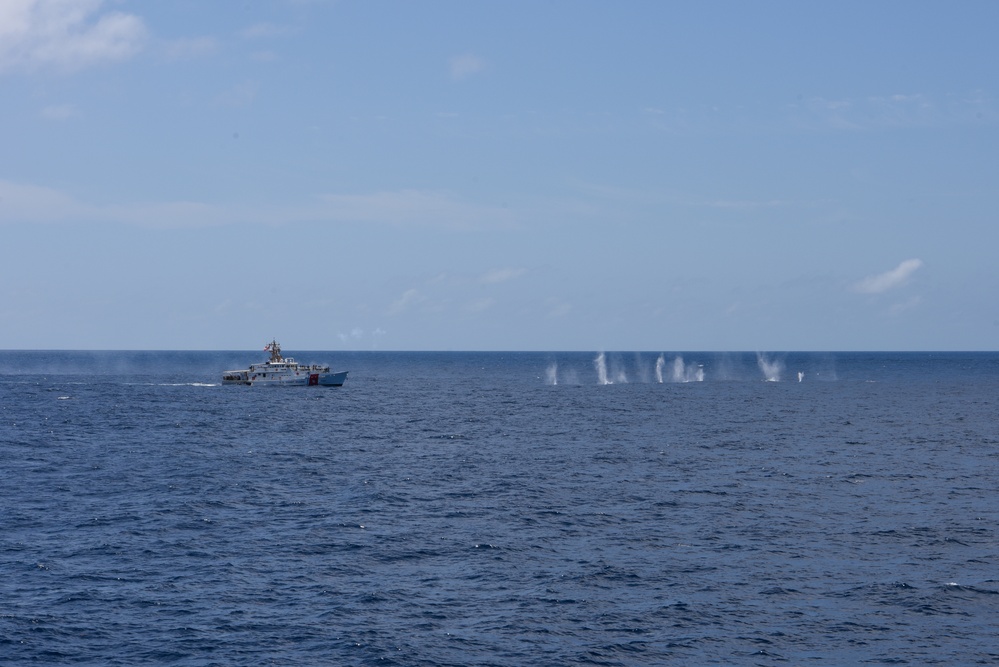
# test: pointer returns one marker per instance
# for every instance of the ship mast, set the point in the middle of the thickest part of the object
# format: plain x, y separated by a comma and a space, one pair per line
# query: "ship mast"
275, 351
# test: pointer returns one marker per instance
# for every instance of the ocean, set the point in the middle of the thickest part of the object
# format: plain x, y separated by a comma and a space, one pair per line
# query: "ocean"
504, 509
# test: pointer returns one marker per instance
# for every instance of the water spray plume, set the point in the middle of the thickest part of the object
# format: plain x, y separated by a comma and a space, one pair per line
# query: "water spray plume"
601, 365
681, 372
678, 369
771, 369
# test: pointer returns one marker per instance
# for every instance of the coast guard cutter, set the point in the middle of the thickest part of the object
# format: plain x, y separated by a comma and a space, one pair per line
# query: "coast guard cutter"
285, 372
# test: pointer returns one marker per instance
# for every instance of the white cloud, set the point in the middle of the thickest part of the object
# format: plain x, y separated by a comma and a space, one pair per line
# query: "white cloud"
265, 30
746, 205
32, 203
356, 334
409, 298
480, 305
414, 207
894, 110
20, 203
264, 56
465, 65
501, 275
65, 34
28, 203
888, 280
189, 48
58, 111
240, 95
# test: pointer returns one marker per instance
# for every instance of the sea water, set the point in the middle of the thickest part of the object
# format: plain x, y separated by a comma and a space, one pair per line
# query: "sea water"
501, 509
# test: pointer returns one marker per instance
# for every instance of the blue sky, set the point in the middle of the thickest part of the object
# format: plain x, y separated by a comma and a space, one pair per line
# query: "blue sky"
453, 175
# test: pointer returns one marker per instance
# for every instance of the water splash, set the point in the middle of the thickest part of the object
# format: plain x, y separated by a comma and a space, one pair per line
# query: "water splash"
660, 364
801, 376
771, 368
552, 374
683, 372
678, 369
601, 365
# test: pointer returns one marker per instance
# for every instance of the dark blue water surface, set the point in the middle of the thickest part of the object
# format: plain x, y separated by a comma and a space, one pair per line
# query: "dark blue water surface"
500, 509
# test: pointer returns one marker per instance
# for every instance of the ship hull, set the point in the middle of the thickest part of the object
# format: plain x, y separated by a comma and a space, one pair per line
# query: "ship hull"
291, 380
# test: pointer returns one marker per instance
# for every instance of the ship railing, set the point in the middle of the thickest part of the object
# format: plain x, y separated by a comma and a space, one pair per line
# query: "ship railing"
321, 369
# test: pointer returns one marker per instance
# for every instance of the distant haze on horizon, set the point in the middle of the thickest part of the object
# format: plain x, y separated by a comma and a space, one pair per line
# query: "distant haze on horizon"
521, 176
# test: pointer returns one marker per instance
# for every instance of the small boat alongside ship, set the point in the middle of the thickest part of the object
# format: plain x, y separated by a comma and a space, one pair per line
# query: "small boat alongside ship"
282, 371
